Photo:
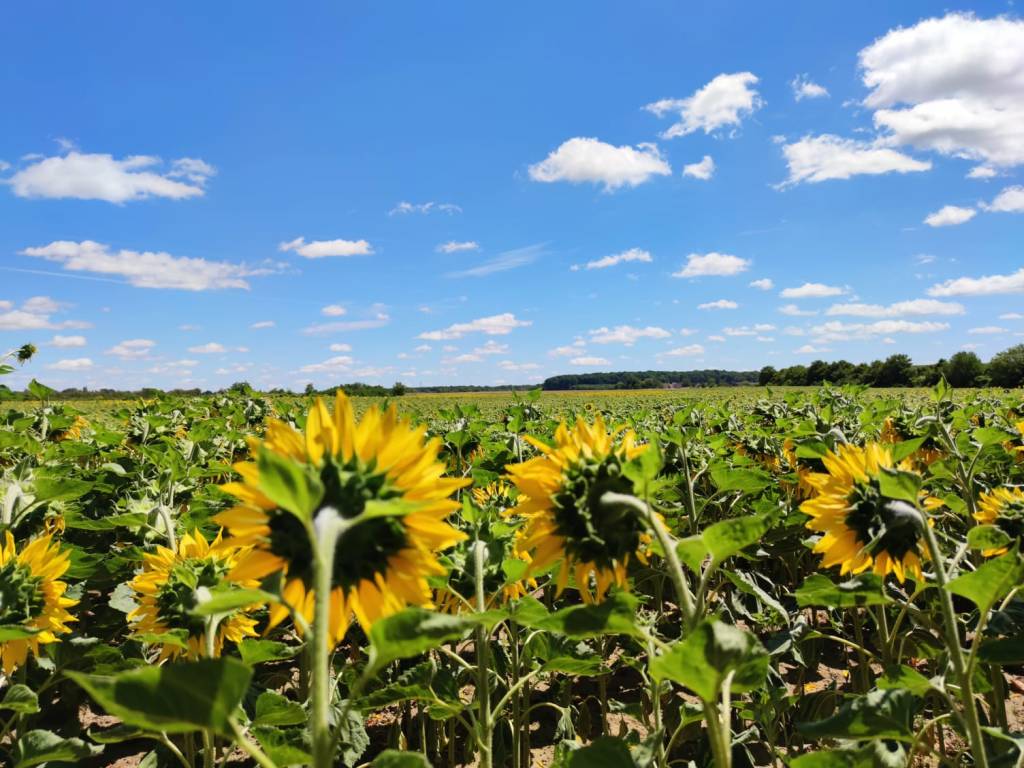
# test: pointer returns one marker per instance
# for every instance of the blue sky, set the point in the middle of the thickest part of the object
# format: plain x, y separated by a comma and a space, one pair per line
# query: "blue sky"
456, 193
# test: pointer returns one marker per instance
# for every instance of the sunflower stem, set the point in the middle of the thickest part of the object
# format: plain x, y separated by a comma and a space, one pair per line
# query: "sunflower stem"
482, 660
956, 653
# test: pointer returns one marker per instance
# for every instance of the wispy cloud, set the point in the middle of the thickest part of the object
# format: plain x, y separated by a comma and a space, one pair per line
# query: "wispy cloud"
504, 261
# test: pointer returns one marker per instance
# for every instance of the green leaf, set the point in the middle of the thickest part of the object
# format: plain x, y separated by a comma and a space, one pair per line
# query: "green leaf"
228, 600
712, 651
987, 537
289, 485
990, 582
40, 391
603, 752
727, 537
615, 616
904, 448
176, 698
59, 487
903, 676
284, 747
832, 758
38, 747
255, 651
743, 480
120, 733
820, 590
1008, 650
883, 714
15, 632
412, 632
274, 709
393, 758
990, 436
692, 551
897, 484
21, 699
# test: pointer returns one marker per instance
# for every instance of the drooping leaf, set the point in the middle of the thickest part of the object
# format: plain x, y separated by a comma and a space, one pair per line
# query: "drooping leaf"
39, 747
881, 714
863, 589
991, 581
21, 699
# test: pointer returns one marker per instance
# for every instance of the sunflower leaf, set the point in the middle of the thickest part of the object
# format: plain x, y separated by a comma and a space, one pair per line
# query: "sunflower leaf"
393, 758
214, 601
882, 714
987, 537
289, 485
21, 699
990, 582
38, 747
897, 484
412, 632
820, 590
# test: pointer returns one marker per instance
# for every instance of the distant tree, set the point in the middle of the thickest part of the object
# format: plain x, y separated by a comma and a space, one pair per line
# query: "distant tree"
310, 389
817, 372
766, 375
1006, 369
895, 371
964, 369
241, 388
398, 389
794, 376
841, 372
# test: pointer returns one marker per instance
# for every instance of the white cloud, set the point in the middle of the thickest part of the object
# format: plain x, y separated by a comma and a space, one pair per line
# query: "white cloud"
67, 341
949, 215
763, 284
210, 348
420, 348
809, 349
835, 330
509, 365
716, 338
147, 269
1011, 316
429, 207
338, 364
35, 314
1010, 200
569, 350
318, 249
712, 264
898, 309
953, 85
588, 361
688, 351
987, 329
805, 88
703, 170
980, 286
813, 159
589, 160
720, 304
131, 349
633, 254
71, 364
724, 101
102, 177
504, 261
491, 348
747, 330
333, 310
379, 320
812, 291
924, 258
688, 331
494, 325
455, 246
982, 172
263, 324
340, 347
460, 359
627, 334
794, 311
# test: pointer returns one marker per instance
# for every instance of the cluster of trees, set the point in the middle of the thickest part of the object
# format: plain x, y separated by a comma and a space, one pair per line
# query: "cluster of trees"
963, 369
650, 379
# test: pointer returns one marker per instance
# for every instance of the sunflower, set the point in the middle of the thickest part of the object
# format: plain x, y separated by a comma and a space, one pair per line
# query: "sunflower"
559, 498
73, 432
497, 494
1003, 508
32, 597
382, 564
896, 430
861, 528
165, 591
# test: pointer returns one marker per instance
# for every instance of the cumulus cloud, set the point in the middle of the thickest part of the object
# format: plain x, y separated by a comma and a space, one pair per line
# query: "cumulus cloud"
71, 364
103, 177
953, 85
702, 170
494, 325
147, 269
590, 160
1010, 200
588, 361
805, 88
67, 341
712, 265
720, 304
794, 311
835, 330
899, 309
812, 291
763, 284
689, 350
633, 254
131, 349
337, 364
455, 246
980, 286
339, 347
949, 216
749, 330
210, 348
813, 159
723, 102
319, 249
627, 334
35, 314
568, 350
333, 310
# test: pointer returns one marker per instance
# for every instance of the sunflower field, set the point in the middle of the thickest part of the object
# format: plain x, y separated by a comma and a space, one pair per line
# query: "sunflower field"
820, 578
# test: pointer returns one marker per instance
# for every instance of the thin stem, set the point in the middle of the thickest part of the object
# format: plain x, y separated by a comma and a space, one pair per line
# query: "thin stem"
482, 661
249, 747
